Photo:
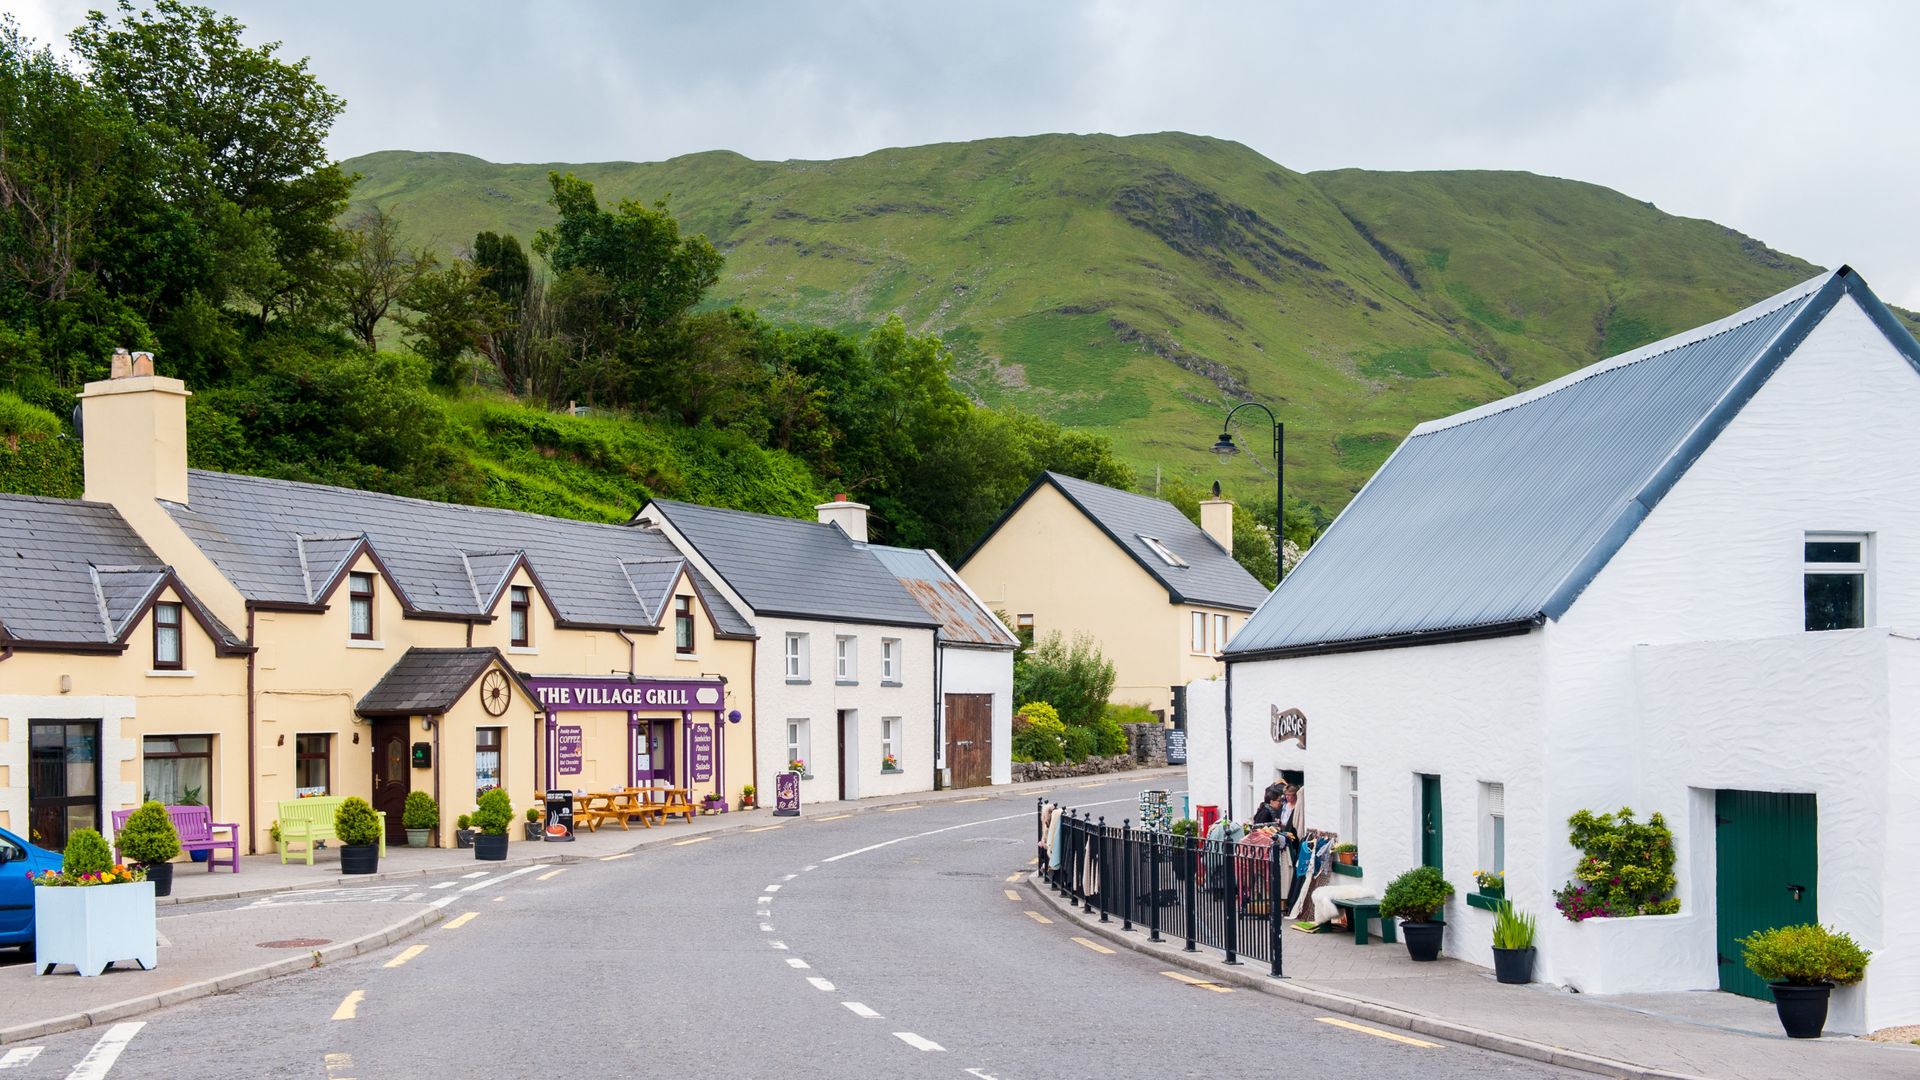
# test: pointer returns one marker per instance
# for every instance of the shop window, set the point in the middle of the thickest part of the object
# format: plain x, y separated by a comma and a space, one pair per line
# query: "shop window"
846, 659
1199, 632
796, 657
890, 660
489, 744
520, 616
313, 764
683, 625
1023, 629
1493, 827
1219, 632
1350, 804
360, 605
166, 638
1836, 581
799, 744
890, 742
177, 770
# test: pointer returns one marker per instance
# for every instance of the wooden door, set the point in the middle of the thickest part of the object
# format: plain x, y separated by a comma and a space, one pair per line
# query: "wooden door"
970, 739
845, 754
1766, 874
392, 775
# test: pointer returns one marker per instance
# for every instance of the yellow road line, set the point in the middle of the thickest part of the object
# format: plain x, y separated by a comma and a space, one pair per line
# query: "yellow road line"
1201, 983
622, 855
497, 899
1094, 945
1015, 877
459, 921
833, 817
1039, 918
349, 1005
692, 840
765, 828
1364, 1029
406, 954
891, 809
1011, 895
551, 874
982, 798
1035, 861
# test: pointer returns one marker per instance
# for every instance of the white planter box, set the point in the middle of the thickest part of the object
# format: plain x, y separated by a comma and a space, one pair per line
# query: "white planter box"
92, 926
1640, 954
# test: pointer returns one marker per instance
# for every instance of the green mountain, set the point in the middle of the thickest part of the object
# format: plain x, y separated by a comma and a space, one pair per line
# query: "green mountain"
1136, 285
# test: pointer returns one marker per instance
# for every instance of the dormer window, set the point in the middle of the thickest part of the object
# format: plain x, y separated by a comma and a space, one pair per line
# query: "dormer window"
360, 605
166, 637
1154, 545
520, 617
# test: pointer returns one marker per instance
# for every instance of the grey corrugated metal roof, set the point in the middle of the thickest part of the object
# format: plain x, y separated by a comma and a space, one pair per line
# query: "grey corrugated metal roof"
439, 555
963, 620
75, 573
1499, 516
427, 682
789, 567
1210, 576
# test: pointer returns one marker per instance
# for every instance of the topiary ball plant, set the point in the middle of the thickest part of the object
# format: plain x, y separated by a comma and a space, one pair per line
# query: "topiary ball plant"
87, 853
355, 823
1416, 895
420, 811
1805, 955
149, 837
495, 813
533, 815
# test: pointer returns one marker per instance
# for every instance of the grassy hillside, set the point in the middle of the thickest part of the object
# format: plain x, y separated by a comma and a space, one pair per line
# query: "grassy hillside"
1134, 285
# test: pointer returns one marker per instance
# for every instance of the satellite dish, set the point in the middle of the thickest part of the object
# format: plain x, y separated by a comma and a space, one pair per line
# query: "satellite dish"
76, 417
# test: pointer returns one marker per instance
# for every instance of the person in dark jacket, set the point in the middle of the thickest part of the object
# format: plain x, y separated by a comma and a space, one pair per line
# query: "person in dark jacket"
1275, 809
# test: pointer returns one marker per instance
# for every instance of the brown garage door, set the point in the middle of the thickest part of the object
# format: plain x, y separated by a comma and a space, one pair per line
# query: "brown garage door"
970, 739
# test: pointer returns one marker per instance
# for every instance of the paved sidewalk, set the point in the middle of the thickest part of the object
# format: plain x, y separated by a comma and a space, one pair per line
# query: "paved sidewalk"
1639, 1035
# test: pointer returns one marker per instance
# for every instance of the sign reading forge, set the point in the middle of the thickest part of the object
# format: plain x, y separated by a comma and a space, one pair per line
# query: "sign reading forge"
1290, 724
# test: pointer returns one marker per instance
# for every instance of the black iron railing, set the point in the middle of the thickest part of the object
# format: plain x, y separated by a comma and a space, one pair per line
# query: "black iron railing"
1213, 893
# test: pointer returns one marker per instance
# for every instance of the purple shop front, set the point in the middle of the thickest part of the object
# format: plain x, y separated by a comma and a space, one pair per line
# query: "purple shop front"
601, 733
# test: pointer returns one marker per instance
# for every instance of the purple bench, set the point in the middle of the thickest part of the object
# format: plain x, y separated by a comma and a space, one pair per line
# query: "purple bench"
195, 826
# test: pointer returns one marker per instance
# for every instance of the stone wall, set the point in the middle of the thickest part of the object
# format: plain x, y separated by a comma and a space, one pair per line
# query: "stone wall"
1147, 743
1050, 770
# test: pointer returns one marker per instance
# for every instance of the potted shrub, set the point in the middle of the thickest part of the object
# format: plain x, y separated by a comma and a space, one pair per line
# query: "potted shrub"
91, 912
535, 828
715, 803
1183, 832
149, 839
420, 816
463, 831
746, 797
1346, 854
273, 836
1492, 882
492, 819
1803, 964
1512, 945
358, 828
1415, 897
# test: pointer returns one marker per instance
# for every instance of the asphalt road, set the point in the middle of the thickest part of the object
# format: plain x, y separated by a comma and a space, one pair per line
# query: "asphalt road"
880, 944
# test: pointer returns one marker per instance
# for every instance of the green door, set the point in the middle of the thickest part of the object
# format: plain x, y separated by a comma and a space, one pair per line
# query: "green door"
1766, 874
1431, 848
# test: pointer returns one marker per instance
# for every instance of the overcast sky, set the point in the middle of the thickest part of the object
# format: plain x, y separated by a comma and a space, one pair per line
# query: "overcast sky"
1795, 122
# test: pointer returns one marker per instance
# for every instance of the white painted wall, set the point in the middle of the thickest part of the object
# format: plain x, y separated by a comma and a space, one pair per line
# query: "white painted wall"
985, 671
119, 778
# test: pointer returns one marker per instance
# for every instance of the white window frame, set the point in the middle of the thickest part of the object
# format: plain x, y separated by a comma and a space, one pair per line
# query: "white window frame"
890, 660
1862, 569
799, 742
846, 658
1493, 826
1199, 646
1154, 545
889, 729
1350, 804
1249, 795
796, 657
1220, 626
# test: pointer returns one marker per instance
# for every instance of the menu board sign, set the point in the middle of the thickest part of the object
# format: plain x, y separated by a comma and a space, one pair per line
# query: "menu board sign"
786, 794
700, 737
568, 756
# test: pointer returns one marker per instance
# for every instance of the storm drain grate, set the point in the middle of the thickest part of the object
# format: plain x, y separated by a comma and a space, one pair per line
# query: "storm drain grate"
296, 943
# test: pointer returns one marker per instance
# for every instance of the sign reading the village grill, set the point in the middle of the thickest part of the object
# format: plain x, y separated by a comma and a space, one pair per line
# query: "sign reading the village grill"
1291, 724
786, 794
700, 738
568, 752
556, 694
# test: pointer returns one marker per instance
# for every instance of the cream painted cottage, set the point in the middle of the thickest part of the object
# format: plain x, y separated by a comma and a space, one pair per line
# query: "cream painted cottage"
1684, 580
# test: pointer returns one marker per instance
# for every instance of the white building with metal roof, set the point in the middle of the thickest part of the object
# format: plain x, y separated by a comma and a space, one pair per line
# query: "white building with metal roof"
1685, 580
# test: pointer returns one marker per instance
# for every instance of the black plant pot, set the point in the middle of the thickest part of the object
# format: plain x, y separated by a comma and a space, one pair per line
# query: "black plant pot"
360, 858
1423, 939
1513, 966
463, 838
1802, 1009
535, 831
161, 874
490, 848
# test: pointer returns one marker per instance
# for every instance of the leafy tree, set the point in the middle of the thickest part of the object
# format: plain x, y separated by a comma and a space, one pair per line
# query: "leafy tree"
377, 271
449, 313
1074, 678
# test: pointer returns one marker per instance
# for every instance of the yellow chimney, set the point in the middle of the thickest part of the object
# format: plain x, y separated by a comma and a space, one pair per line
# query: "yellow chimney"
1216, 519
133, 428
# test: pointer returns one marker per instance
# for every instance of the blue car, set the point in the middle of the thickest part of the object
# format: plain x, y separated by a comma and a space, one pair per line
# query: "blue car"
18, 859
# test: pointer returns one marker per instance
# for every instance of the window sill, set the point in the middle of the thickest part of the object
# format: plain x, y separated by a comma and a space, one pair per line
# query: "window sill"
894, 682
522, 650
799, 682
687, 657
846, 682
1485, 901
355, 643
889, 772
1347, 869
170, 673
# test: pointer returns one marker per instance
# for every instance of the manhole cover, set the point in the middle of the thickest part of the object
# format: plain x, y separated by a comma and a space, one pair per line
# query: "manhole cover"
296, 943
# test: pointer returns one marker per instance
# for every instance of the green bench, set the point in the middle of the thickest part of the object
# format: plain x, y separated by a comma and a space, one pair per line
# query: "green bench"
308, 820
1359, 910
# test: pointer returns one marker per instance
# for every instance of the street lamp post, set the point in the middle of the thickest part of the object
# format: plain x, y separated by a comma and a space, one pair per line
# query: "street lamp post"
1226, 448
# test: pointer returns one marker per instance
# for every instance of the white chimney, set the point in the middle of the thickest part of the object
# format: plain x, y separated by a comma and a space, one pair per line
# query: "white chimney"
1216, 519
844, 512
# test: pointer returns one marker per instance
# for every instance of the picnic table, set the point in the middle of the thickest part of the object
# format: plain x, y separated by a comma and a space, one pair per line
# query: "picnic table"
654, 803
664, 801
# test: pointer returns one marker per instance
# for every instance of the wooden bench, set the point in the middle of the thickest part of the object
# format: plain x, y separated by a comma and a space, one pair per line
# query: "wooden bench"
195, 825
1360, 909
309, 820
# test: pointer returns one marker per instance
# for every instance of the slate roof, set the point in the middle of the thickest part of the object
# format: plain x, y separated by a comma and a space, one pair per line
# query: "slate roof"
789, 568
268, 536
75, 573
1495, 519
963, 619
1211, 576
428, 682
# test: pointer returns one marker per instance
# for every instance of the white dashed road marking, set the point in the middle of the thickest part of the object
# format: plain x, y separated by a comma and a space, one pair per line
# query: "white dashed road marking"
778, 944
820, 983
100, 1059
475, 874
444, 885
508, 876
771, 889
20, 1057
861, 1011
797, 963
917, 1042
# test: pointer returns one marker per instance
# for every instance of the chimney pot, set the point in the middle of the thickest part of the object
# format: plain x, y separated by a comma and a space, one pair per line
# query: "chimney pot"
142, 363
844, 512
122, 364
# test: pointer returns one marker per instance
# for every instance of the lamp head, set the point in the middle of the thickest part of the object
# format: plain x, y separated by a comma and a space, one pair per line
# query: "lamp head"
1225, 447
